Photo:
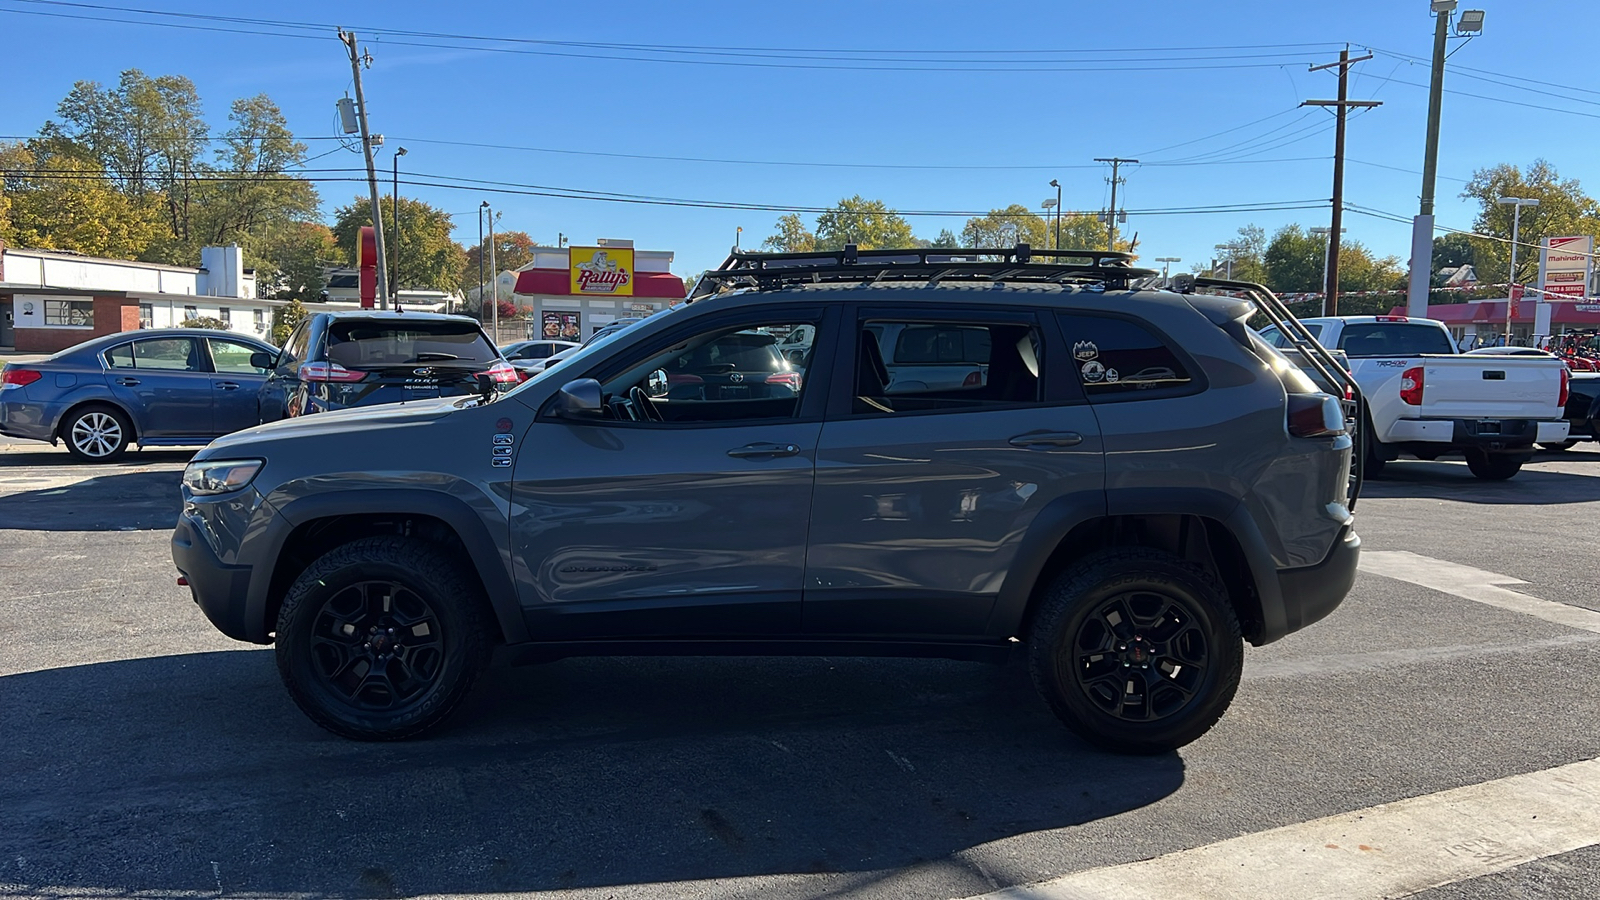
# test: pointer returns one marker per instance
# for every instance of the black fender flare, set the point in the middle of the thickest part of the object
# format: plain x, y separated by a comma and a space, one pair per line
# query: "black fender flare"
486, 553
1057, 520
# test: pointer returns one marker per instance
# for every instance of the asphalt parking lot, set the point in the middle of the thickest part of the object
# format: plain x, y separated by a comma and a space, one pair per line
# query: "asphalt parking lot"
143, 754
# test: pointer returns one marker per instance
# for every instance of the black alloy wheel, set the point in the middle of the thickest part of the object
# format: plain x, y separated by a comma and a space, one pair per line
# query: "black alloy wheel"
1136, 650
379, 639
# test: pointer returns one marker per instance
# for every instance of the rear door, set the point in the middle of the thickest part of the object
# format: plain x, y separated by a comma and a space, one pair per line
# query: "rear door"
924, 494
165, 382
236, 385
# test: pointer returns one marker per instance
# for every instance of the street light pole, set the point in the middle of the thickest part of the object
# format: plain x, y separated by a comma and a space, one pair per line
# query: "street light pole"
1516, 204
480, 260
495, 275
1327, 248
394, 283
1164, 260
1057, 185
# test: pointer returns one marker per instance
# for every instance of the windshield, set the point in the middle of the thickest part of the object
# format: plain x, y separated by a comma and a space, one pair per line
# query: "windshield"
374, 344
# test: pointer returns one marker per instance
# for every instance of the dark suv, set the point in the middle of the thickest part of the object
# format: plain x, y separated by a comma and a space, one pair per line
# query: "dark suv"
1126, 486
363, 357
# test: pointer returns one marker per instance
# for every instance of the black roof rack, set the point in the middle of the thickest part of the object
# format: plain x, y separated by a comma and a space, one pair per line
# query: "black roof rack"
769, 271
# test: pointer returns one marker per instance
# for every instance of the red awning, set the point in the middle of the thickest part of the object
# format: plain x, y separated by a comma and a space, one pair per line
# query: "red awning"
652, 285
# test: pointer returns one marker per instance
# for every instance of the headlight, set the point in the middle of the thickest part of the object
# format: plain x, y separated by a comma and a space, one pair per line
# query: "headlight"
219, 476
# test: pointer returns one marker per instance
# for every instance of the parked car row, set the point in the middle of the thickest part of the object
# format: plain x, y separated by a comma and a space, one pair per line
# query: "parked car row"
185, 387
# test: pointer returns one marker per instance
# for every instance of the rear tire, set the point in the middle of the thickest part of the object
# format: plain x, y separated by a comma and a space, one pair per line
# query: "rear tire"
379, 639
1493, 466
1136, 650
1375, 460
97, 433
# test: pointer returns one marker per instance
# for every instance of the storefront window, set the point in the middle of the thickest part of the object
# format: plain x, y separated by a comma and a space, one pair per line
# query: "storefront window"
147, 315
69, 313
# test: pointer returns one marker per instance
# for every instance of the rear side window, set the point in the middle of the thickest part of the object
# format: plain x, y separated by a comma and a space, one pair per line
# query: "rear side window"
905, 367
1273, 336
1392, 339
367, 344
1116, 357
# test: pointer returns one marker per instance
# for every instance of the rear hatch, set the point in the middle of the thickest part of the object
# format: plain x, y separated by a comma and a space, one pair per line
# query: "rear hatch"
386, 361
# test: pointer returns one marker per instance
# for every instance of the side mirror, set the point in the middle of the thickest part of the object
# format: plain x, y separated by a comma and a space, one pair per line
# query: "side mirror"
656, 384
580, 398
261, 359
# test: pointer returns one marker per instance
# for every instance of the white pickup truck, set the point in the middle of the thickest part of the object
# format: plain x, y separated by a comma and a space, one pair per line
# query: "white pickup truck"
1426, 399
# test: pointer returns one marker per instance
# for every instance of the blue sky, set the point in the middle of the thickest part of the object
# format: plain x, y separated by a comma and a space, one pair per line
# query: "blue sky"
1013, 130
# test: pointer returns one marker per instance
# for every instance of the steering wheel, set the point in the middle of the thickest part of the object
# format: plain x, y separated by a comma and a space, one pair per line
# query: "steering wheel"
641, 402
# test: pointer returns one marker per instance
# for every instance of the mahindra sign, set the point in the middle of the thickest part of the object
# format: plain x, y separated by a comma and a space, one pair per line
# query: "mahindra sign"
1565, 266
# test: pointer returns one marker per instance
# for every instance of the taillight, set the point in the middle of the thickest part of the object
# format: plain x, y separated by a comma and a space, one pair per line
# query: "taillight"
1566, 387
522, 375
1391, 318
1411, 386
328, 371
973, 379
791, 380
502, 372
19, 377
1315, 415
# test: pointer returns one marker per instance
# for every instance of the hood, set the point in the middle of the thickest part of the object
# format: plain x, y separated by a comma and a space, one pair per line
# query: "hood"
343, 421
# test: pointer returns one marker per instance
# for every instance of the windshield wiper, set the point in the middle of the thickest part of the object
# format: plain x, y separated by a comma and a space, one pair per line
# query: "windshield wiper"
434, 357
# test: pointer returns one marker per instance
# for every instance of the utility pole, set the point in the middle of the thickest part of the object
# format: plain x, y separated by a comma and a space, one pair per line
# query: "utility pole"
356, 60
395, 284
1469, 25
1330, 295
494, 273
1111, 219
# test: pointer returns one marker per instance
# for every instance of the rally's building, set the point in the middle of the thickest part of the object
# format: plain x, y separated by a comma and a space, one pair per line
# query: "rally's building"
570, 293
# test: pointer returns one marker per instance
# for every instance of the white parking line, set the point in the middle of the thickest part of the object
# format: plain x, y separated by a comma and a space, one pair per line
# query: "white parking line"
1390, 850
1474, 584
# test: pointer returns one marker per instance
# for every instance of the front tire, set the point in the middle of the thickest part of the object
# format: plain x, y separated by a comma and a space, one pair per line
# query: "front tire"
1136, 650
1493, 466
379, 639
97, 434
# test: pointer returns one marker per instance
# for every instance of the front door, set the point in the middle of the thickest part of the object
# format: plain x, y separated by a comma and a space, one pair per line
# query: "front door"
235, 385
926, 485
165, 384
682, 511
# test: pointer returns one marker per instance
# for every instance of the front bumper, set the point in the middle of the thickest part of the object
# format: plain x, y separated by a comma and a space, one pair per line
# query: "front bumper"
1310, 593
218, 588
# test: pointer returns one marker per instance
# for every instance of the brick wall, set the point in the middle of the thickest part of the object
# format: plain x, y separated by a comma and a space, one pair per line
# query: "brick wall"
111, 315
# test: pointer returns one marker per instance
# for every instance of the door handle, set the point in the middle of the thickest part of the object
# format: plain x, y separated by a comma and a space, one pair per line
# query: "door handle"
764, 449
1047, 439
228, 385
127, 382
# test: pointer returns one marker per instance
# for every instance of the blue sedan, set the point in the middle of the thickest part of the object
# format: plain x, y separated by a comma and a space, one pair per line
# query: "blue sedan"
166, 387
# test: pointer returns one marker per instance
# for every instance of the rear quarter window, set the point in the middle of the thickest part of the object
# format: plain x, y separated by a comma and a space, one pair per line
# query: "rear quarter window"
1117, 358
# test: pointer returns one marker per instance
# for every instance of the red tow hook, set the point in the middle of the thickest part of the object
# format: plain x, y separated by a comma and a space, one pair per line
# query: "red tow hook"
183, 581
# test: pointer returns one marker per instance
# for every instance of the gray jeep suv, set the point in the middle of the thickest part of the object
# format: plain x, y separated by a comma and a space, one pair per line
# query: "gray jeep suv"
1128, 486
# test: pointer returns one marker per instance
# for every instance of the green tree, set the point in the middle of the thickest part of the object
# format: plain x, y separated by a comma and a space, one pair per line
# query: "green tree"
1293, 261
1564, 209
256, 155
205, 322
1006, 228
791, 236
61, 199
1083, 231
1360, 270
291, 260
428, 257
1244, 255
946, 240
869, 224
284, 320
1452, 250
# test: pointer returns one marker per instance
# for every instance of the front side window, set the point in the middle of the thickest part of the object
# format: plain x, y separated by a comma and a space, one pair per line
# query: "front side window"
928, 366
1115, 357
232, 357
69, 313
733, 373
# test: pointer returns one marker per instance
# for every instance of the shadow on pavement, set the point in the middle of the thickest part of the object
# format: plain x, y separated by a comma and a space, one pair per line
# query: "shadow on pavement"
130, 501
177, 774
45, 456
1412, 478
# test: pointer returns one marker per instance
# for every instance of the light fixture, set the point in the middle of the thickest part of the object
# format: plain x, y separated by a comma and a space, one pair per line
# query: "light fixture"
1519, 201
1444, 6
1048, 202
1470, 23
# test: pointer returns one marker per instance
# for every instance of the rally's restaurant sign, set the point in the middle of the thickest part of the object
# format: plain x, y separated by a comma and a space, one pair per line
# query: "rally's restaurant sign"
602, 271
